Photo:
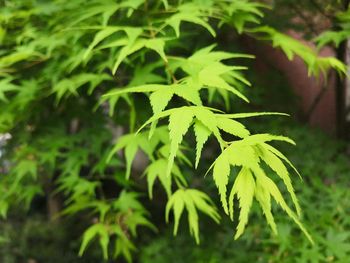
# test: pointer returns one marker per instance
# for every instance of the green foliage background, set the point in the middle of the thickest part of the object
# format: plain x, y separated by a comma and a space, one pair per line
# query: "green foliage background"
88, 89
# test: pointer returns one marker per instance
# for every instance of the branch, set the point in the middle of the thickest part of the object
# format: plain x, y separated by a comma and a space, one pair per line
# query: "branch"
318, 98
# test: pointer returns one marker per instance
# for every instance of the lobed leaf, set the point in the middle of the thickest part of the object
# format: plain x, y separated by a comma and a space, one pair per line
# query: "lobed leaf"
179, 123
202, 134
244, 188
221, 174
192, 200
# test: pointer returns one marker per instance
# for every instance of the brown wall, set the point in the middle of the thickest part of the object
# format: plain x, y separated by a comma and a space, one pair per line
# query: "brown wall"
305, 87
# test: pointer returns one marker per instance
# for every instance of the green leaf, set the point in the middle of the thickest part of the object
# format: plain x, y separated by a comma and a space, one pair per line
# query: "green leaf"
106, 9
100, 36
292, 47
192, 200
166, 4
93, 231
157, 170
179, 123
130, 152
335, 37
271, 187
190, 13
203, 203
123, 246
144, 74
210, 79
125, 52
202, 134
281, 156
264, 199
192, 215
71, 85
160, 99
128, 200
206, 56
240, 154
176, 201
132, 142
265, 137
189, 93
221, 174
4, 205
26, 167
277, 165
253, 114
207, 117
157, 44
162, 94
132, 5
6, 86
233, 127
141, 88
239, 13
244, 188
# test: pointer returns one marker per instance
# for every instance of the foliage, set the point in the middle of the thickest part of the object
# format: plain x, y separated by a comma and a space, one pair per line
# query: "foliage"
39, 240
71, 76
324, 202
309, 18
292, 47
339, 36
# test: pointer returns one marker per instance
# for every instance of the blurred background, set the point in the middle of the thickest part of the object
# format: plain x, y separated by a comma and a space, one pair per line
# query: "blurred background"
319, 123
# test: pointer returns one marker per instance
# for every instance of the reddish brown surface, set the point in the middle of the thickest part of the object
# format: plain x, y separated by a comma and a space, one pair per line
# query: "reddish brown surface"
305, 87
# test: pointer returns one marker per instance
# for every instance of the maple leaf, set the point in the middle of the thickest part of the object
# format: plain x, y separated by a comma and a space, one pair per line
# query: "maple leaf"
192, 200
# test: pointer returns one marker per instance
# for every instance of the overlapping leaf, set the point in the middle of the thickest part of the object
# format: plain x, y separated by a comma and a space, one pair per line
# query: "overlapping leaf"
6, 87
189, 12
206, 122
157, 169
248, 153
127, 46
132, 142
162, 94
239, 13
205, 70
292, 47
71, 85
192, 200
126, 221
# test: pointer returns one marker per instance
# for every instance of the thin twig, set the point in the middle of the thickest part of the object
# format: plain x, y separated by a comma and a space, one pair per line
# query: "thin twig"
318, 98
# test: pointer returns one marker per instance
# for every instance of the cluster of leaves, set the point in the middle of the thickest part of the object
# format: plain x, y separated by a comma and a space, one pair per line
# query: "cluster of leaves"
336, 37
324, 205
326, 210
316, 65
70, 74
